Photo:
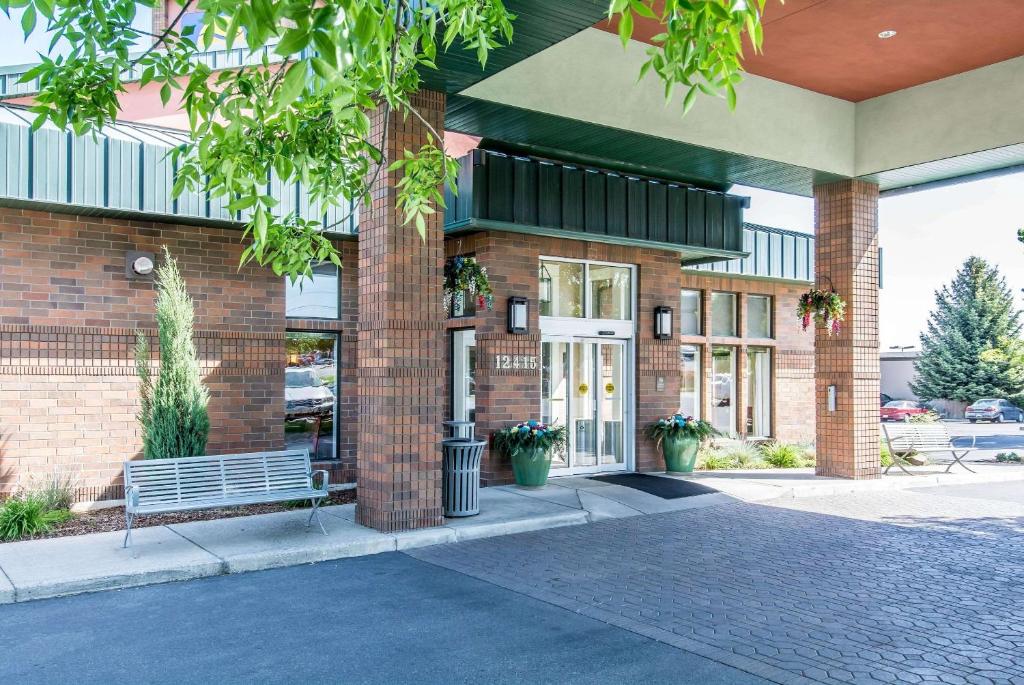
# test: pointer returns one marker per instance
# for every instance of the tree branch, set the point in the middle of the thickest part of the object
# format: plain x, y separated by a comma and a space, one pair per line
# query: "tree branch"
162, 38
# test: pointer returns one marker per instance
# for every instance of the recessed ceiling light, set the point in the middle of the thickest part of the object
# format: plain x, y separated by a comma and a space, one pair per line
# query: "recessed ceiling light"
888, 33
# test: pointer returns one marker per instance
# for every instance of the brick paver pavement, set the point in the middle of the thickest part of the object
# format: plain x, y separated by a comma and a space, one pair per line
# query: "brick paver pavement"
929, 591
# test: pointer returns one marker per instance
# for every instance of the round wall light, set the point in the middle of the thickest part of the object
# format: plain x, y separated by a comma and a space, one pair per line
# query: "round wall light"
888, 33
143, 266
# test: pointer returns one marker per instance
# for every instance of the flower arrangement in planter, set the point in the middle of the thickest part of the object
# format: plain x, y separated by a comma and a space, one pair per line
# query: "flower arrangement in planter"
679, 437
462, 276
529, 445
824, 307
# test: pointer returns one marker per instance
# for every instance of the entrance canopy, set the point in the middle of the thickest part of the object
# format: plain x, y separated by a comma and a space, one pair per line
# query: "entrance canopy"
829, 99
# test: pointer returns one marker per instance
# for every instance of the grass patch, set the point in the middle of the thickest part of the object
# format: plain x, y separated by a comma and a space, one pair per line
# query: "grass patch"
27, 515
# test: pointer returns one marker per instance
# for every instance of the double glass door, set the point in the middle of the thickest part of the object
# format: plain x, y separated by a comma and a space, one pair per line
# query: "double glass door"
583, 387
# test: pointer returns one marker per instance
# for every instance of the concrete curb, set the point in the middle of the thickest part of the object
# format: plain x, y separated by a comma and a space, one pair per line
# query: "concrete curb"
206, 563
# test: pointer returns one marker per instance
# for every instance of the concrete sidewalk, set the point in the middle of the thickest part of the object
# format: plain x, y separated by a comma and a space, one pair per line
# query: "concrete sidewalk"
759, 485
61, 566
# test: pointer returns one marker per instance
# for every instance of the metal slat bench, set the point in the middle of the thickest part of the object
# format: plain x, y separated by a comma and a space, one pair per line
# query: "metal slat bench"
923, 438
160, 486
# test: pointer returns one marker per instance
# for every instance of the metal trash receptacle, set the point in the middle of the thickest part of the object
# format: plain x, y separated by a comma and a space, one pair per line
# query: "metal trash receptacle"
460, 478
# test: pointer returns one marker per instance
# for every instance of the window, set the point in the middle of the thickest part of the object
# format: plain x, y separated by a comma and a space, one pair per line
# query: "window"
464, 375
759, 316
577, 290
689, 312
759, 392
723, 389
689, 395
561, 289
310, 393
313, 298
723, 314
610, 295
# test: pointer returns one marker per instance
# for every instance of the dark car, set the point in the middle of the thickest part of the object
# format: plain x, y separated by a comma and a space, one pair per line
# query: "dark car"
994, 410
901, 410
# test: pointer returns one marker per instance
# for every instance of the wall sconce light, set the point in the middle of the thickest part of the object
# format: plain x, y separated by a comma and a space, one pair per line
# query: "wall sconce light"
546, 286
518, 315
663, 323
138, 265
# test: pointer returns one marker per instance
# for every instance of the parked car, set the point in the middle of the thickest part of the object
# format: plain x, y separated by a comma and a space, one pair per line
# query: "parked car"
994, 410
902, 410
306, 394
884, 399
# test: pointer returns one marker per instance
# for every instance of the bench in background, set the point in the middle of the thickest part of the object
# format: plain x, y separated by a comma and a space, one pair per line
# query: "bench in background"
160, 486
923, 438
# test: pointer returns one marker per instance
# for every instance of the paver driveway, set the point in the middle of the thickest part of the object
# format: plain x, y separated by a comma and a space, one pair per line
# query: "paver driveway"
903, 587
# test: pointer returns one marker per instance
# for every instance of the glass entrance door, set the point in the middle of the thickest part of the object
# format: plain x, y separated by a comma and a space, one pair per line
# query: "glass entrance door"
583, 387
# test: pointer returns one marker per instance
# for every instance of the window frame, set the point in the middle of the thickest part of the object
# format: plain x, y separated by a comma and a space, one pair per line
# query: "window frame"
770, 316
735, 314
699, 362
700, 312
338, 308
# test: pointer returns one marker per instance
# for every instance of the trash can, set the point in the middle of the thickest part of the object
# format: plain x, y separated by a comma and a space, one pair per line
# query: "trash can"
461, 429
460, 478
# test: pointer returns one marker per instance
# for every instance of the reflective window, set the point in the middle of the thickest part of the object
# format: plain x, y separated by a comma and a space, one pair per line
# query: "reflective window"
723, 389
464, 376
313, 298
689, 312
610, 294
759, 392
310, 393
689, 395
723, 314
759, 316
561, 289
554, 391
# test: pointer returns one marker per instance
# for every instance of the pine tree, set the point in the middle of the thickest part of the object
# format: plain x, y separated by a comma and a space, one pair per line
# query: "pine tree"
173, 406
973, 329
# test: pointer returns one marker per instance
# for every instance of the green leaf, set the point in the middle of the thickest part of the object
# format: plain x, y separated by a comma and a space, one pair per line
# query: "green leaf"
28, 20
165, 93
626, 28
691, 97
292, 85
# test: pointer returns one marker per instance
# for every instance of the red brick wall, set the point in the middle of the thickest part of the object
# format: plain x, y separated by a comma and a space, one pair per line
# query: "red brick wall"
67, 319
507, 395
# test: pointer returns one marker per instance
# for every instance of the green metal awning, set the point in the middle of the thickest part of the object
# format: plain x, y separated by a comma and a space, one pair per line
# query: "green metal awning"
497, 191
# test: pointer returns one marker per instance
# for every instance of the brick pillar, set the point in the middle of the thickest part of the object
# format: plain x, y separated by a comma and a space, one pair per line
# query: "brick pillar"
400, 346
846, 257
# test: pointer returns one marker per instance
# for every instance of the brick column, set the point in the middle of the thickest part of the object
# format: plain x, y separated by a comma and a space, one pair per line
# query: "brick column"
846, 257
400, 346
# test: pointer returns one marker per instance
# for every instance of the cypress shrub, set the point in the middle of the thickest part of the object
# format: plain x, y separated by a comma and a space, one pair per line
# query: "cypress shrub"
172, 410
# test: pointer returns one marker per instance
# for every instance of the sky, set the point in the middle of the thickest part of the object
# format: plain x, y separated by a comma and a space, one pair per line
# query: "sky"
925, 236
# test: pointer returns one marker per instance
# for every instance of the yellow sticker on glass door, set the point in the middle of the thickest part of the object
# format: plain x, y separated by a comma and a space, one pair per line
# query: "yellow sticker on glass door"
583, 389
609, 388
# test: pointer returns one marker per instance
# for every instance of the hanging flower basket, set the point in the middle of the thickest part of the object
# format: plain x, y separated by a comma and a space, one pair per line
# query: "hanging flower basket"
464, 276
824, 307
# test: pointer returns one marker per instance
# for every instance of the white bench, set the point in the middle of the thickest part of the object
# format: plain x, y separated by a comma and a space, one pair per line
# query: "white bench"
160, 486
922, 438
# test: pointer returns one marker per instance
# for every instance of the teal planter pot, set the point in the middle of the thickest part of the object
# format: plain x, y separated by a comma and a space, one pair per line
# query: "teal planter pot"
680, 454
531, 466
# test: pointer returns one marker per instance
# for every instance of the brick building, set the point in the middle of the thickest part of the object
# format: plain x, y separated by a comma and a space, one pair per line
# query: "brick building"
580, 192
70, 307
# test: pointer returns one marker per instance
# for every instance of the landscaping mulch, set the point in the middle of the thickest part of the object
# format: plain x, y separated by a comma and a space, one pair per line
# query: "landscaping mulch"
112, 518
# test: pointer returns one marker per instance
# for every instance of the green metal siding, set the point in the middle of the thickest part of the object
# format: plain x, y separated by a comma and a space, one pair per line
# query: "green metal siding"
122, 171
587, 203
772, 253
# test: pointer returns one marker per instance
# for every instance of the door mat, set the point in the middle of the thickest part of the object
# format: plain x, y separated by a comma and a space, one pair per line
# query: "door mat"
665, 488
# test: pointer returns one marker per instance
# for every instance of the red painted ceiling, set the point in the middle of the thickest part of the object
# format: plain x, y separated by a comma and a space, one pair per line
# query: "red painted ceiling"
832, 46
